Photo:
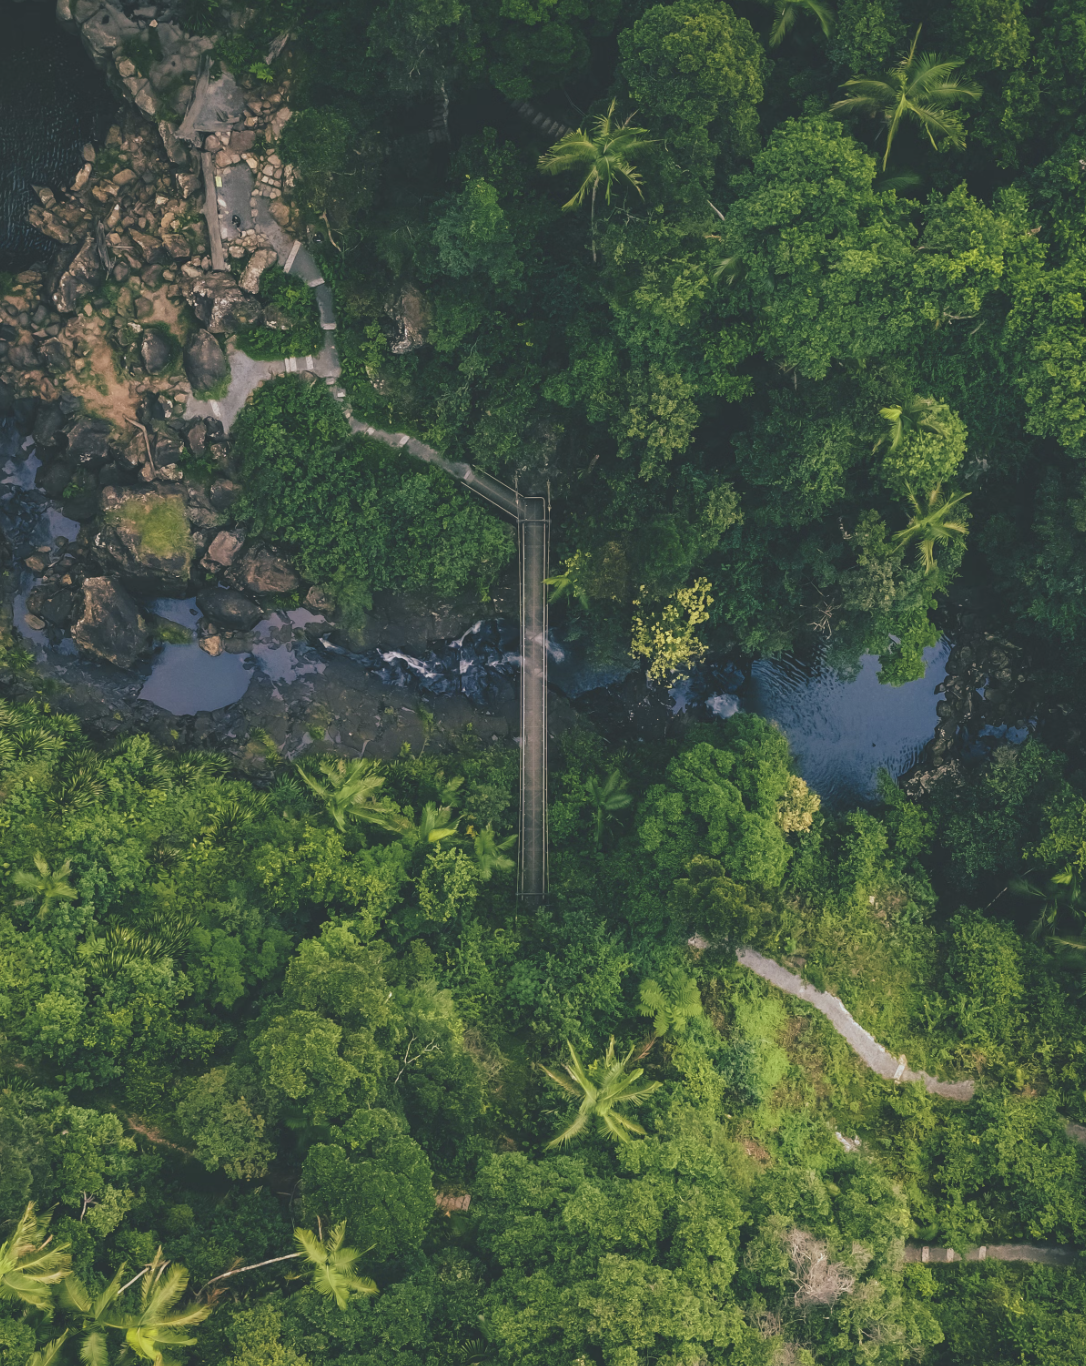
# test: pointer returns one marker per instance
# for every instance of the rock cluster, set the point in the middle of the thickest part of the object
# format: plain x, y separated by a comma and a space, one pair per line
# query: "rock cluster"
151, 530
133, 255
127, 227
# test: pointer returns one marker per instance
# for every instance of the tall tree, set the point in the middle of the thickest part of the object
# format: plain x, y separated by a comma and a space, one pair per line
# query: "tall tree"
607, 797
348, 788
157, 1324
788, 11
50, 884
696, 72
29, 1267
931, 524
603, 156
920, 87
332, 1265
602, 1087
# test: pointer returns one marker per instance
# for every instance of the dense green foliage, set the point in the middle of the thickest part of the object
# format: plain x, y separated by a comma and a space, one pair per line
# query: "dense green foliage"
788, 383
707, 351
290, 304
363, 518
227, 1013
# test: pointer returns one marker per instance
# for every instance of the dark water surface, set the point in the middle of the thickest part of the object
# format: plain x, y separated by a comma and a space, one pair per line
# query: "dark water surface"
841, 731
52, 101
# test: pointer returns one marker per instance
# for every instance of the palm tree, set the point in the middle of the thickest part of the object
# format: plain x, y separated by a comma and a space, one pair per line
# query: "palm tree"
921, 87
601, 1088
158, 1324
332, 1265
567, 582
910, 416
95, 1316
608, 797
789, 10
48, 1354
46, 883
490, 855
931, 526
604, 157
29, 1267
350, 789
434, 824
1063, 890
672, 1005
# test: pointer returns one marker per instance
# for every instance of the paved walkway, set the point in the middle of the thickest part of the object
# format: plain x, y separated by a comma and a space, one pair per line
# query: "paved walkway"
237, 198
1049, 1254
861, 1043
858, 1039
246, 374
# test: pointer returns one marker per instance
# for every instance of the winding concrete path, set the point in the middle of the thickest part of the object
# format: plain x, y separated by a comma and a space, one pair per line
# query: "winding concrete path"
858, 1039
531, 514
861, 1042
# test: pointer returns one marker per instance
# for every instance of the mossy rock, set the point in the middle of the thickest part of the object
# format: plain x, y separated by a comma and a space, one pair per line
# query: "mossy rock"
148, 534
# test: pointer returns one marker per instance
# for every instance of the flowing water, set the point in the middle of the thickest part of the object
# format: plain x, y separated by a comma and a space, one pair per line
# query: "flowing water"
842, 731
52, 101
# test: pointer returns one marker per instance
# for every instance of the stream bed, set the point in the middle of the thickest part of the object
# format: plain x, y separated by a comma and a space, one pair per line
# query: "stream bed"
842, 731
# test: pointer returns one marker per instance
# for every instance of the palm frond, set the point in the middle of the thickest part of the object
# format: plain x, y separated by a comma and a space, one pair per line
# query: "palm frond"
48, 1354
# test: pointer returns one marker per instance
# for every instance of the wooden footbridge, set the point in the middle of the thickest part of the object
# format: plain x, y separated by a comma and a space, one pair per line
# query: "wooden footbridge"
531, 513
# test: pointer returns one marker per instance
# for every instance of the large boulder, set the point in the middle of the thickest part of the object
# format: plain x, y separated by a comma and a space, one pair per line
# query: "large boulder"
47, 425
111, 625
261, 571
75, 276
205, 364
88, 438
155, 351
53, 356
147, 536
228, 608
221, 305
55, 605
411, 314
224, 549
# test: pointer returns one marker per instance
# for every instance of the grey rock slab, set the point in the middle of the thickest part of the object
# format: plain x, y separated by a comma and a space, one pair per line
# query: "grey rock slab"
229, 608
205, 364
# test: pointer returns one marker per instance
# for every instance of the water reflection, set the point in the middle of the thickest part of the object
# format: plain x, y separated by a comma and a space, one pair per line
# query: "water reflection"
843, 732
185, 680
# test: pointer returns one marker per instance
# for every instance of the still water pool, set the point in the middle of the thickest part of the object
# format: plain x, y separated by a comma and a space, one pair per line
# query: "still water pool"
843, 731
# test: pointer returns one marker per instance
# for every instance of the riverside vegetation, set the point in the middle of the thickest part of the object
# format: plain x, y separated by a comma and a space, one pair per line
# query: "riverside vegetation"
791, 320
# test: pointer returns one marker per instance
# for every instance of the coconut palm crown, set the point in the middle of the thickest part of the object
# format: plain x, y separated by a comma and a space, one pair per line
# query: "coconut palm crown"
332, 1265
601, 1087
921, 87
29, 1266
603, 156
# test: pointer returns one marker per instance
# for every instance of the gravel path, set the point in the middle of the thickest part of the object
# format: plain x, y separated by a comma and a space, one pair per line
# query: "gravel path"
858, 1039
